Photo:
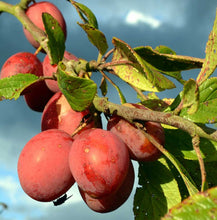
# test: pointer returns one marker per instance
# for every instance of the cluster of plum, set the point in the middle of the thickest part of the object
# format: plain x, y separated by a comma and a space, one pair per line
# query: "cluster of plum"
98, 160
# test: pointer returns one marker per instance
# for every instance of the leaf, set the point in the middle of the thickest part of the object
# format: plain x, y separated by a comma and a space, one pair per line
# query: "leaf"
103, 86
56, 38
85, 14
79, 92
207, 110
168, 62
130, 67
210, 62
96, 37
184, 149
11, 87
200, 206
190, 96
155, 193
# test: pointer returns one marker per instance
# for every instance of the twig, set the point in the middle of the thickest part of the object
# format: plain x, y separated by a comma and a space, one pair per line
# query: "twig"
107, 55
196, 146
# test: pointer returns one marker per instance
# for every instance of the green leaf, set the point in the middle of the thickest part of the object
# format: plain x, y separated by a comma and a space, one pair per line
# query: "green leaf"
130, 67
103, 86
184, 149
79, 92
200, 206
190, 96
96, 37
207, 110
210, 62
156, 194
56, 38
11, 87
164, 59
85, 14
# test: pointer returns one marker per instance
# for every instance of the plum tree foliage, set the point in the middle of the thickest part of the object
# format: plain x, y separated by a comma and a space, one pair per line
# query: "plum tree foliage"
169, 187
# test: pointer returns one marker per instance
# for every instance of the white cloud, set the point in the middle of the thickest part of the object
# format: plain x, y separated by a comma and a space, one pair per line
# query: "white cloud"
135, 17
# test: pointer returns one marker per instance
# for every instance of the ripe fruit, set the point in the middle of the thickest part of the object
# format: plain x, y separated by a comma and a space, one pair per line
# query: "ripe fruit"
34, 12
140, 148
22, 62
49, 69
99, 162
38, 98
114, 201
43, 167
59, 114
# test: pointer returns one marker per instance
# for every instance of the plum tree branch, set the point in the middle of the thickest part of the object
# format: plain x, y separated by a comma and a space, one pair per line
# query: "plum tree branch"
132, 114
19, 12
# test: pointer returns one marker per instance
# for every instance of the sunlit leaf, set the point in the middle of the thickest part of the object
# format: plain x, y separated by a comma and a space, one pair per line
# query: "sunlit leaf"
200, 206
56, 38
85, 14
12, 87
210, 62
96, 37
130, 67
190, 96
79, 92
207, 109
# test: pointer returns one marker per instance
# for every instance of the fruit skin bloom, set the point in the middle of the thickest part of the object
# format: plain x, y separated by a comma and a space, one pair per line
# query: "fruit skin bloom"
99, 162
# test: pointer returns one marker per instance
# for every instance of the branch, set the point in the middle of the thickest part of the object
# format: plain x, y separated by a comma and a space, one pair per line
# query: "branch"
19, 12
132, 114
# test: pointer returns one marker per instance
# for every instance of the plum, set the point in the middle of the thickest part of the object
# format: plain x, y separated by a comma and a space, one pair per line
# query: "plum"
140, 148
37, 99
59, 114
22, 62
34, 12
111, 202
99, 162
43, 167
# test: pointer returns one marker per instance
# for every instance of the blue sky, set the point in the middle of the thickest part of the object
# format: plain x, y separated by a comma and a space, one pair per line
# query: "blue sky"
182, 25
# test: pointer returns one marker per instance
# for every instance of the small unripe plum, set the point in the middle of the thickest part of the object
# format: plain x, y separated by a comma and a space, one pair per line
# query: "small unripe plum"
59, 114
34, 12
37, 98
22, 62
43, 168
99, 162
140, 148
49, 69
112, 202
